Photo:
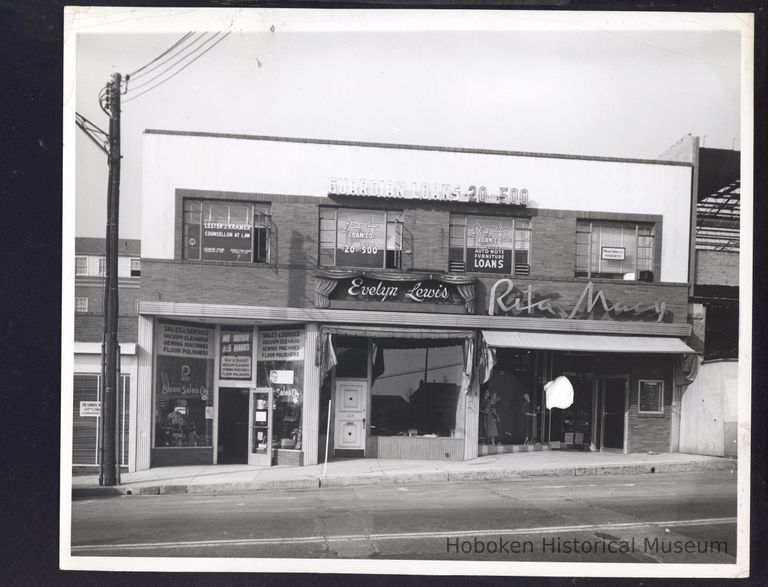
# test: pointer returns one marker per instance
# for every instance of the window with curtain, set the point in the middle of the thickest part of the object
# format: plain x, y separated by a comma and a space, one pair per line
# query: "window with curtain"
489, 244
614, 250
222, 230
353, 237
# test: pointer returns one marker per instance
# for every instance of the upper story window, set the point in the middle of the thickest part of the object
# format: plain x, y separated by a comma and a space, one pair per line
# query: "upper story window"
490, 244
614, 250
351, 237
102, 270
135, 267
81, 265
221, 230
81, 305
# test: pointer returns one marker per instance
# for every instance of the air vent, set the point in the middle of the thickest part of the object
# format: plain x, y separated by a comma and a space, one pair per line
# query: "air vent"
456, 266
522, 269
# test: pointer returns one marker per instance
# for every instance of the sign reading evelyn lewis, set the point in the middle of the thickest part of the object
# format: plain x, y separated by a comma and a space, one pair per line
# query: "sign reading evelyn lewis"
516, 302
377, 290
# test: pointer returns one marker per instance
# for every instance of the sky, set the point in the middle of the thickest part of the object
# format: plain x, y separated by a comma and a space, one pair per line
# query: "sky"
520, 82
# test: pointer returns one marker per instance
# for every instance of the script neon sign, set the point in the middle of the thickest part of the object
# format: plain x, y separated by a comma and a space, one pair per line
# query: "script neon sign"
504, 296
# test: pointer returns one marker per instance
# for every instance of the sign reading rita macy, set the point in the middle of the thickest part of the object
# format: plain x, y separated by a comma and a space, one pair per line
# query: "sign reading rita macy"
514, 301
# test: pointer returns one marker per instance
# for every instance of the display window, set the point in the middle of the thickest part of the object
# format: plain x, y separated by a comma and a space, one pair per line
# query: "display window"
281, 366
614, 250
183, 385
490, 244
352, 237
416, 388
222, 230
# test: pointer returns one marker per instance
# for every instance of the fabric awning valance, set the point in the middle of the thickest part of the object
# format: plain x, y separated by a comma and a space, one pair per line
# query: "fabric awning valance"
372, 331
584, 342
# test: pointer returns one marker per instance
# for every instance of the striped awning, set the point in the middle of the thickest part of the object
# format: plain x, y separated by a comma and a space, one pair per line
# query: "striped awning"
585, 342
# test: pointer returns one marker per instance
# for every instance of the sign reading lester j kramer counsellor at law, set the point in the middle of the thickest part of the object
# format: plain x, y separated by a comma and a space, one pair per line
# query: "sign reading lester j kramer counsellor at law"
181, 340
226, 241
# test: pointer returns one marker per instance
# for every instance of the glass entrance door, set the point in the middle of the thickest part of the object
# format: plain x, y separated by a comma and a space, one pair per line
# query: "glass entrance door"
260, 427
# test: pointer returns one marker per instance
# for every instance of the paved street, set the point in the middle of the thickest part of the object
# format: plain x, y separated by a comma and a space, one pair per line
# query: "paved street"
664, 517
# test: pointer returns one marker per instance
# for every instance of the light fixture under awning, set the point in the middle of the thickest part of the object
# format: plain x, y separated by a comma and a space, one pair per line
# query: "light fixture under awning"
584, 342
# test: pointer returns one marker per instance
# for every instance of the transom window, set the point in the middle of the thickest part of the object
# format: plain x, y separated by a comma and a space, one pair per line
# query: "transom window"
352, 237
614, 250
490, 244
221, 230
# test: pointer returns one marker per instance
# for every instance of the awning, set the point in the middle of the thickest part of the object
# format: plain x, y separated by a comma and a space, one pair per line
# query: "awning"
585, 342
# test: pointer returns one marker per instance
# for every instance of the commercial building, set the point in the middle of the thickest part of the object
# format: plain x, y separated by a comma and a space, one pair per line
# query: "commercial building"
404, 301
90, 270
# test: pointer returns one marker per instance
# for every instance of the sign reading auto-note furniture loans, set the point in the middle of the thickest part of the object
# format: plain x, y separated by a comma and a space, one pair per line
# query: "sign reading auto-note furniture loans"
413, 190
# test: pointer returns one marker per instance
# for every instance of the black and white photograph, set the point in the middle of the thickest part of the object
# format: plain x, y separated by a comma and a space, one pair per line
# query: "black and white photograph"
416, 292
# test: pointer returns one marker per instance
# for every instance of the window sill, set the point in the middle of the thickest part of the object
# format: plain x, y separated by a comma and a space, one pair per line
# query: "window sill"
651, 414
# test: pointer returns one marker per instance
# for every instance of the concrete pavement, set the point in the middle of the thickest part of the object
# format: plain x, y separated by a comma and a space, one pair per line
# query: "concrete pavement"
342, 472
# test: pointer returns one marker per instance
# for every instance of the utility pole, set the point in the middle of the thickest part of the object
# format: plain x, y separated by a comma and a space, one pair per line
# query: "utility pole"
108, 473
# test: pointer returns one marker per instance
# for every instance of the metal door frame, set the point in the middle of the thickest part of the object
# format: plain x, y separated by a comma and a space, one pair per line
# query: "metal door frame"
600, 389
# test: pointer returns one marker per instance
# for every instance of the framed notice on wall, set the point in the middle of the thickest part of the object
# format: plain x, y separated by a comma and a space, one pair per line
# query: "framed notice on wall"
650, 397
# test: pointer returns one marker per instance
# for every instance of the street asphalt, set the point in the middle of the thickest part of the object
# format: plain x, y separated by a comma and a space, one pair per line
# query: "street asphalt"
679, 517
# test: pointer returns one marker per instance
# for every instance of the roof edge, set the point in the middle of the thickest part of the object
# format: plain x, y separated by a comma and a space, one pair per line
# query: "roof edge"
341, 143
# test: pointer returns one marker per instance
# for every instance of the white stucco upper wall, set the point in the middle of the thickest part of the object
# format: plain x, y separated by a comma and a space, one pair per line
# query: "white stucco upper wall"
274, 167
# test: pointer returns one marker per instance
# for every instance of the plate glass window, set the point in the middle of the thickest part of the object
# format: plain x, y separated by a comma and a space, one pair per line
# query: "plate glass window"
614, 250
490, 244
351, 237
222, 230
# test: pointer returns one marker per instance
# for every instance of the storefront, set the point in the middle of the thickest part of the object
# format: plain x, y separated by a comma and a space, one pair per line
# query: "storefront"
282, 313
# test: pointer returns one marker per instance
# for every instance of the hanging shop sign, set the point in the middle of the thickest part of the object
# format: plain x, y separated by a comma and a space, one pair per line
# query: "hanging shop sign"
366, 289
182, 340
411, 190
509, 300
281, 345
236, 353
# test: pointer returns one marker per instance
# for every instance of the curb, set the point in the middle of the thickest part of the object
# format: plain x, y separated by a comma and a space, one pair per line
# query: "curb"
403, 479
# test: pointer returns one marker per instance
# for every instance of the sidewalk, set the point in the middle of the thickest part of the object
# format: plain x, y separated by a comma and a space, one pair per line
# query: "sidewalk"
244, 478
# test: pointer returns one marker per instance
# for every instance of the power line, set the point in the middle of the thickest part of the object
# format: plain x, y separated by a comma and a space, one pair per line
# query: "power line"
163, 54
181, 59
180, 70
92, 132
181, 50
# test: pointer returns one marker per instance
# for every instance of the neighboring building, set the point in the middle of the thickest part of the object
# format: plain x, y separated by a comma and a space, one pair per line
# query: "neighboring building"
709, 405
90, 270
412, 300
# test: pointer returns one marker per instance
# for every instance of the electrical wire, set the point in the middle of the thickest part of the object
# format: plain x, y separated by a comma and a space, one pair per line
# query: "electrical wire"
163, 54
180, 70
178, 61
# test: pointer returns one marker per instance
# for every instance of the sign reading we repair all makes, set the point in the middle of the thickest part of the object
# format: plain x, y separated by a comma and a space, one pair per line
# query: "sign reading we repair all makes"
281, 345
